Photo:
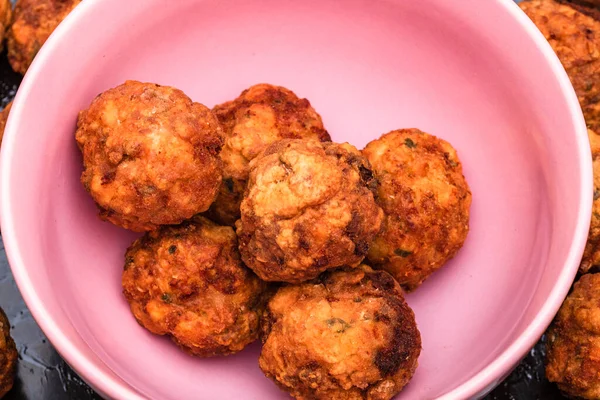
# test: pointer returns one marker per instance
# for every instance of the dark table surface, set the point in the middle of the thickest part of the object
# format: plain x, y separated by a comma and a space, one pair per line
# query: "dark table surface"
43, 375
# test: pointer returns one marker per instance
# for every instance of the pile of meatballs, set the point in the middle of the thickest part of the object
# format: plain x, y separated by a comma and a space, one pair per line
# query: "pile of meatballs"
259, 226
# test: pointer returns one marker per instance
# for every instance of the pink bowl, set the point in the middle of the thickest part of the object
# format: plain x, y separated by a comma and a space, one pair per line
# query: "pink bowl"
476, 73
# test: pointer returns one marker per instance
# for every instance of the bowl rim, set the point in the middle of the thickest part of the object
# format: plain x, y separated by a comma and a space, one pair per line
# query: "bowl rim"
479, 384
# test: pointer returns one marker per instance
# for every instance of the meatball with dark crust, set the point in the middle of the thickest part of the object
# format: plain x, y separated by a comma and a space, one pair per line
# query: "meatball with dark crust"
188, 282
3, 119
348, 335
8, 356
261, 115
308, 208
150, 155
426, 203
591, 254
5, 18
575, 37
33, 22
573, 341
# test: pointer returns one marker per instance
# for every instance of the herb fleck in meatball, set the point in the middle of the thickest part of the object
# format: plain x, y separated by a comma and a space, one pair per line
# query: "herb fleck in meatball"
150, 155
33, 22
573, 348
308, 208
8, 356
188, 282
348, 335
260, 116
426, 203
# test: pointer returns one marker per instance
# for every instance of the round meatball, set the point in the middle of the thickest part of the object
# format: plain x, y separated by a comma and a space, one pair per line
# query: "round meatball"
308, 208
575, 37
150, 155
591, 254
188, 282
5, 18
426, 202
348, 335
8, 356
260, 116
573, 341
3, 119
33, 22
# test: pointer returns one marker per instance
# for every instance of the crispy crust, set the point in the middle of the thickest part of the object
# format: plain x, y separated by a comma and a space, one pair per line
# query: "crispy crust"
33, 22
188, 282
573, 348
426, 203
591, 254
3, 118
348, 335
308, 208
5, 18
8, 356
150, 155
261, 115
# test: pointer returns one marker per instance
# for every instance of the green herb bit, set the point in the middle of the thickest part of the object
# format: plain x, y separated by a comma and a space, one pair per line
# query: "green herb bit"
166, 297
409, 143
402, 253
338, 325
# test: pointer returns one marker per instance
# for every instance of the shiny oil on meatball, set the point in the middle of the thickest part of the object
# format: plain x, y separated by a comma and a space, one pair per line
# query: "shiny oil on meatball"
150, 155
573, 347
261, 115
348, 335
188, 282
8, 356
426, 203
33, 22
308, 208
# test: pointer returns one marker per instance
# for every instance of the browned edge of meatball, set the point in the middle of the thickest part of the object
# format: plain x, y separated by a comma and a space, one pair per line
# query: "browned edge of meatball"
8, 356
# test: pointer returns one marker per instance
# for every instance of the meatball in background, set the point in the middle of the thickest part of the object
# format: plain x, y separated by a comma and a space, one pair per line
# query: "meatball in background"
150, 155
260, 116
188, 282
8, 356
348, 335
573, 341
426, 203
33, 22
5, 20
308, 208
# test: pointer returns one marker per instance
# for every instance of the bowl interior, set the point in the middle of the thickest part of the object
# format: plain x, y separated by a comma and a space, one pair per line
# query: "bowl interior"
454, 69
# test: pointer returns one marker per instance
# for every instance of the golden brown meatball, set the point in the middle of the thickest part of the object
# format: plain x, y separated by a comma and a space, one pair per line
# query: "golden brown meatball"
188, 282
5, 18
308, 208
591, 254
349, 335
8, 356
260, 116
573, 348
3, 118
425, 200
575, 37
33, 22
150, 155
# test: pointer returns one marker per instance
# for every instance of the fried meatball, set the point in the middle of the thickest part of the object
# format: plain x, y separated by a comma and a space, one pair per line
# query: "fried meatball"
573, 347
348, 335
33, 22
188, 282
426, 203
260, 116
150, 155
575, 37
8, 356
5, 18
591, 254
308, 207
3, 118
